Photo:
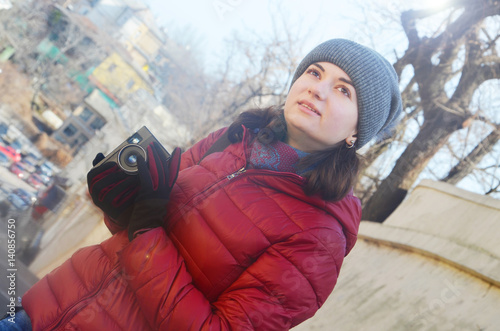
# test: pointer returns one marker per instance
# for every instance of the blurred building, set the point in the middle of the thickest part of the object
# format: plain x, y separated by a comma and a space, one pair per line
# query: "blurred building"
82, 125
119, 78
132, 24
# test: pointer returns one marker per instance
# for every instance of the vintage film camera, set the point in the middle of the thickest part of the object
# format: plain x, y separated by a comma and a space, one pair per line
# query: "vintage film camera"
126, 154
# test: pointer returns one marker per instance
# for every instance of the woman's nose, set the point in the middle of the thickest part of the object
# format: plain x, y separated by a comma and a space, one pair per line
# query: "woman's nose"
317, 90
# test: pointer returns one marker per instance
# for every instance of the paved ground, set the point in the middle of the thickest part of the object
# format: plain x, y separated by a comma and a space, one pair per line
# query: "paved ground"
10, 180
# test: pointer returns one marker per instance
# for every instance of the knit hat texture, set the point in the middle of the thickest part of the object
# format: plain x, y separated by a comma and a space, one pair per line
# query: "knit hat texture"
373, 77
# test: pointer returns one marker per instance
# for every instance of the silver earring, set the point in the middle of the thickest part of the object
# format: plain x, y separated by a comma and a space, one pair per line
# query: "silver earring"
351, 145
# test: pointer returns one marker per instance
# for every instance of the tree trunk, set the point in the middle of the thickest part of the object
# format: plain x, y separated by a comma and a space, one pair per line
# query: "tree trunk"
432, 136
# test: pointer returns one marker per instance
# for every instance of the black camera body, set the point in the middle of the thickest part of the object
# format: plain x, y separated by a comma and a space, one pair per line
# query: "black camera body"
126, 154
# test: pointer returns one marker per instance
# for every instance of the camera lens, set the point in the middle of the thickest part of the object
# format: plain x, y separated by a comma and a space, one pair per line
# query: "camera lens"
132, 160
127, 158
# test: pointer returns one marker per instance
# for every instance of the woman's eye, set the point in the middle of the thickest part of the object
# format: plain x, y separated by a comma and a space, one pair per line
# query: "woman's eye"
314, 72
345, 91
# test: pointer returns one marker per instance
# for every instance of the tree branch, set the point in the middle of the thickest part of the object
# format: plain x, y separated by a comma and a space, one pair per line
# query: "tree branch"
467, 164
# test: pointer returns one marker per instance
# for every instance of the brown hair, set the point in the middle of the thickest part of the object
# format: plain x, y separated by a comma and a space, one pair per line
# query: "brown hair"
333, 171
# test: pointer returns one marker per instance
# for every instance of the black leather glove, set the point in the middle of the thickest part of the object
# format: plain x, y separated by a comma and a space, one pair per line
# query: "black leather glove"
157, 178
112, 190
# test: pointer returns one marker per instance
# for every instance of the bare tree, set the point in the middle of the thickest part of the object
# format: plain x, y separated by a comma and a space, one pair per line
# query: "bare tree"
78, 49
449, 67
255, 73
53, 47
261, 81
469, 163
24, 26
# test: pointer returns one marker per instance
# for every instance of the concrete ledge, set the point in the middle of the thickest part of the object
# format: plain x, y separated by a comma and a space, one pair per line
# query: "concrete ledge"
461, 193
470, 260
458, 216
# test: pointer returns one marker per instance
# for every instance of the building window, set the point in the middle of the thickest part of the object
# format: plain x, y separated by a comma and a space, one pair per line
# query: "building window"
125, 16
86, 40
159, 58
86, 114
97, 124
70, 130
79, 141
60, 139
130, 84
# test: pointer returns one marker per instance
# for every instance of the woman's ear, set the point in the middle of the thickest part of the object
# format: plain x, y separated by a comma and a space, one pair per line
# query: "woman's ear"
352, 138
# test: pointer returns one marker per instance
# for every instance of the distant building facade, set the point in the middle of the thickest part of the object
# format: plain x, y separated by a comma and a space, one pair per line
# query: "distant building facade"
119, 78
83, 124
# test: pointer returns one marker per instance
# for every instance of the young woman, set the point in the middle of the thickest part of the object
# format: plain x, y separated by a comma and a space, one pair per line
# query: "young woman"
247, 235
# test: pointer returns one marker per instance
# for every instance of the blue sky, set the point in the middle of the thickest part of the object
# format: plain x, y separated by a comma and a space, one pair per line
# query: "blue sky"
216, 20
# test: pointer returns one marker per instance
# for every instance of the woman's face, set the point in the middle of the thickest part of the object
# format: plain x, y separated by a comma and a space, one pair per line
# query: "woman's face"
321, 109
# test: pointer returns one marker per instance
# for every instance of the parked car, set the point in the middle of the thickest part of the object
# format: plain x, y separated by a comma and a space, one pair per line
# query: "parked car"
16, 145
17, 202
4, 160
29, 162
50, 199
4, 128
19, 170
28, 165
11, 153
34, 155
4, 193
46, 180
49, 168
35, 181
28, 197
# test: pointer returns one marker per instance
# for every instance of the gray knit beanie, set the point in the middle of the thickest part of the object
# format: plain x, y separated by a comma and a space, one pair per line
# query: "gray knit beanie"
374, 78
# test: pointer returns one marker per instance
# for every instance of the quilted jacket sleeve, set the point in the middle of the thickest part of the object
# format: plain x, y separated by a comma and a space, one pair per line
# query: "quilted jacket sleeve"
283, 287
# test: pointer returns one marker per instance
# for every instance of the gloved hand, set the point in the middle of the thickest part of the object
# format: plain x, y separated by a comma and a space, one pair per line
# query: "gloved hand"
157, 178
112, 190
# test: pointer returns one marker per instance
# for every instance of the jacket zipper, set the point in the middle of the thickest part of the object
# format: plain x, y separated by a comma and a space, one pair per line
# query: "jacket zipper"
234, 174
208, 190
73, 310
237, 174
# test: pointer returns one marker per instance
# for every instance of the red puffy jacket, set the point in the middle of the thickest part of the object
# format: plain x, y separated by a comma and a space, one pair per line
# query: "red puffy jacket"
242, 250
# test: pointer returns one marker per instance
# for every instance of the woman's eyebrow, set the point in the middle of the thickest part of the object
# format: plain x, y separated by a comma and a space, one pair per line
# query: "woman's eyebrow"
319, 66
345, 80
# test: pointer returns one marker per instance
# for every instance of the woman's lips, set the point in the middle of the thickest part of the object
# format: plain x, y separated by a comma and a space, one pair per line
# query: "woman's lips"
309, 106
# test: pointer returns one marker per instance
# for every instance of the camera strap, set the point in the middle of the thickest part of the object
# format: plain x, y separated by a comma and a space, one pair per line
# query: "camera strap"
218, 146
